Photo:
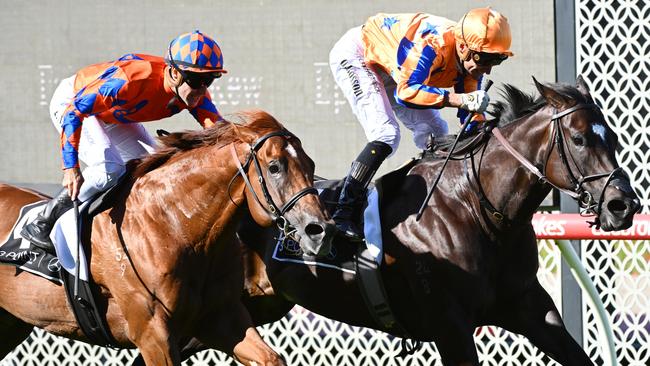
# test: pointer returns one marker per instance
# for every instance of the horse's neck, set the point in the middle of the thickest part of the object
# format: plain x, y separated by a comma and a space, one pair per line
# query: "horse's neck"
514, 189
189, 197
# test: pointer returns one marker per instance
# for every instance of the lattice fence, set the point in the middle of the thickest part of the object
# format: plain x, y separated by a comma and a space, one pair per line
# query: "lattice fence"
613, 40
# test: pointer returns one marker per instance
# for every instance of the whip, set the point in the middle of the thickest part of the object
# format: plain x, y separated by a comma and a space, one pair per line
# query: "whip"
486, 87
76, 275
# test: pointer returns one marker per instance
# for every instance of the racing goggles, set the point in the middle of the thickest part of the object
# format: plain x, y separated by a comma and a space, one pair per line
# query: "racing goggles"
488, 59
196, 80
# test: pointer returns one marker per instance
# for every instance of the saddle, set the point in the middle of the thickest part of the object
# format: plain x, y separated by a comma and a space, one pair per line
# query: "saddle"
439, 147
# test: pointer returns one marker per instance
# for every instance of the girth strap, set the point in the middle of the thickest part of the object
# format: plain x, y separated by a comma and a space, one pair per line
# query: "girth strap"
373, 292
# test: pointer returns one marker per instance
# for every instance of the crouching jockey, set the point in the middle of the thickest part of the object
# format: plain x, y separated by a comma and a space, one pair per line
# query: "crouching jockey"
98, 113
394, 67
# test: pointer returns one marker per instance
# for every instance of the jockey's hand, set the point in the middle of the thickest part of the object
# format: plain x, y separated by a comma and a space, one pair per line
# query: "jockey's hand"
72, 180
476, 101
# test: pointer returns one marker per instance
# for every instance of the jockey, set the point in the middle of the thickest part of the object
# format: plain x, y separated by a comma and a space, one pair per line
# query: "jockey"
395, 66
98, 110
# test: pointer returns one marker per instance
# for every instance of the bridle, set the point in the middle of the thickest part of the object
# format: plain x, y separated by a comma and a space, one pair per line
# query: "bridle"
577, 191
276, 212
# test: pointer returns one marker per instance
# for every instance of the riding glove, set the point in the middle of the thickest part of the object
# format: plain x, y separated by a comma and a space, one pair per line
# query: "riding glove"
476, 101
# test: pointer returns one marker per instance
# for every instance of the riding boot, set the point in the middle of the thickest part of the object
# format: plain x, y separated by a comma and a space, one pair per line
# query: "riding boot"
349, 203
354, 187
38, 231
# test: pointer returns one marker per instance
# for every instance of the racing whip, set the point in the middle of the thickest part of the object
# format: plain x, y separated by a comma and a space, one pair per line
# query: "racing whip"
486, 87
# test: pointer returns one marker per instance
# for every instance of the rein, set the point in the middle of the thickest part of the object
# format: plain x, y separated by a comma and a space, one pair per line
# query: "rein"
276, 213
577, 192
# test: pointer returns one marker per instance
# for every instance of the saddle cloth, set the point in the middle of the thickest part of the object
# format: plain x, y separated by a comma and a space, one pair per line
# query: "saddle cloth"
16, 250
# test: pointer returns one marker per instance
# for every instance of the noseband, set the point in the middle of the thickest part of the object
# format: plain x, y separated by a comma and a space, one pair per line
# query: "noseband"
277, 213
577, 192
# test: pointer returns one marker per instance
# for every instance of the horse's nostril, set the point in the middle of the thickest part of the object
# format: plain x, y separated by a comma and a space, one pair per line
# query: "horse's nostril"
314, 229
616, 206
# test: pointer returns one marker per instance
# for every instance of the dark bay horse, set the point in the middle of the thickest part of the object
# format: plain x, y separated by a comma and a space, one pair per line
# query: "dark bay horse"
165, 256
471, 260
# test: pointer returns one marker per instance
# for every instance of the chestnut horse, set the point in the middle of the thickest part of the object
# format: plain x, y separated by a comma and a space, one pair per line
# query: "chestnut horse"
471, 260
165, 256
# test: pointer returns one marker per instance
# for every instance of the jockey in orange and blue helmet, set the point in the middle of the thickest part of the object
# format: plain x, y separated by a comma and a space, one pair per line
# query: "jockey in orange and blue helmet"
98, 112
397, 66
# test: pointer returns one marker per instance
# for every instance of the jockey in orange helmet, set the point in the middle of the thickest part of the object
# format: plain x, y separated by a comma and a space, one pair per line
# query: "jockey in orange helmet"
98, 112
396, 66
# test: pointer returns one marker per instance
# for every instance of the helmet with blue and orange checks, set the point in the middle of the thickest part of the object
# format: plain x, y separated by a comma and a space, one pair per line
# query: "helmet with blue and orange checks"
195, 52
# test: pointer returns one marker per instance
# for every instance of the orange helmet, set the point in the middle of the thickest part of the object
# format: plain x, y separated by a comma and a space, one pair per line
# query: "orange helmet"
484, 30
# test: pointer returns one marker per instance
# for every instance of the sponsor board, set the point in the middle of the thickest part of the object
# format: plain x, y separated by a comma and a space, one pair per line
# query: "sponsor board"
574, 226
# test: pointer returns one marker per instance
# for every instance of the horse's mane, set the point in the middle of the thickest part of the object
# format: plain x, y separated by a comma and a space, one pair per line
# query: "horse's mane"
242, 126
516, 103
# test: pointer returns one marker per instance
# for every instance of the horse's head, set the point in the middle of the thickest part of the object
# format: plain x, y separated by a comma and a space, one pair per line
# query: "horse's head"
280, 190
582, 157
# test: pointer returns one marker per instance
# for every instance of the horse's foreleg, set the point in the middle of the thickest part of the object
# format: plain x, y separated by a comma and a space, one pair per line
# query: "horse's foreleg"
232, 331
457, 348
535, 316
190, 349
454, 337
156, 344
252, 350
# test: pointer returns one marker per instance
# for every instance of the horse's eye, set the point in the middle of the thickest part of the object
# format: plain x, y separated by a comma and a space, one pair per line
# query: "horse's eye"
274, 168
578, 140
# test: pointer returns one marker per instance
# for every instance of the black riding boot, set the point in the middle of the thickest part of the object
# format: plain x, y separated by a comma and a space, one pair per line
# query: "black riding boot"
353, 191
38, 231
350, 201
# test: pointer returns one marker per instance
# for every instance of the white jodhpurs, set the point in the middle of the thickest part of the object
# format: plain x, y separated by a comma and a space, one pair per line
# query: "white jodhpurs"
370, 93
104, 147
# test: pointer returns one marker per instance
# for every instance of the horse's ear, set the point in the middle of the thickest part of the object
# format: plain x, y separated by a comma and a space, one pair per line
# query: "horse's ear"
555, 99
582, 85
